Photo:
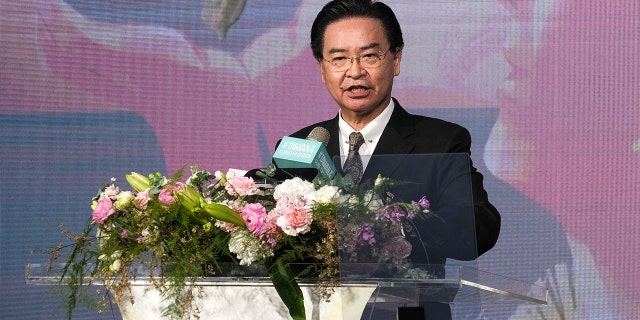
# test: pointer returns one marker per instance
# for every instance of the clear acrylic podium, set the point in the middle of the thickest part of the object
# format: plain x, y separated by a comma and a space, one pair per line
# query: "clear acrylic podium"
355, 298
442, 267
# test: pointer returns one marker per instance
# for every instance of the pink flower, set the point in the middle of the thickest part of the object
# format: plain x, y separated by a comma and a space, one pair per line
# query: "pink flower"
103, 210
255, 217
294, 217
241, 186
166, 195
111, 191
141, 199
274, 233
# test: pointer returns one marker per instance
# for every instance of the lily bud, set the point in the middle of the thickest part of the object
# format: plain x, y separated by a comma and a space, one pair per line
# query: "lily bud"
137, 181
224, 213
189, 198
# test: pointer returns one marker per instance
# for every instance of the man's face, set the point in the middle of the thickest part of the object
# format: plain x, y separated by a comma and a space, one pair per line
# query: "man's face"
361, 92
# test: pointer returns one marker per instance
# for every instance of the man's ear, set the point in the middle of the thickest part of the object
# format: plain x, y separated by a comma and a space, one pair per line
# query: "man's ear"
396, 62
321, 66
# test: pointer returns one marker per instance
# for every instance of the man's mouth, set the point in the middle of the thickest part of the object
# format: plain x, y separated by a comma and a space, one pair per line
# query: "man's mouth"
357, 89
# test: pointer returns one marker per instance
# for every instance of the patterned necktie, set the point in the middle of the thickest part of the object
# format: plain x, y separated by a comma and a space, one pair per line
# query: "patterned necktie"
353, 164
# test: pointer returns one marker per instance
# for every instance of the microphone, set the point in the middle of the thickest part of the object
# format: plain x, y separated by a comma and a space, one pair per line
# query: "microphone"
298, 155
320, 134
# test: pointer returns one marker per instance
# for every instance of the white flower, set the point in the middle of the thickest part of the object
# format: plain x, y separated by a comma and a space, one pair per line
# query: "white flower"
220, 177
327, 194
247, 247
295, 188
373, 200
116, 265
348, 199
230, 174
111, 191
379, 181
123, 199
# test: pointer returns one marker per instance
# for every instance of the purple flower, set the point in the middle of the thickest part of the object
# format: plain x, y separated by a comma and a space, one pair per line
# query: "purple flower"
392, 214
367, 233
424, 203
397, 248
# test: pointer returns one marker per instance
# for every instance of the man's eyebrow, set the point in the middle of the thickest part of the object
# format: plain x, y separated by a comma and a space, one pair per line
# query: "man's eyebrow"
367, 47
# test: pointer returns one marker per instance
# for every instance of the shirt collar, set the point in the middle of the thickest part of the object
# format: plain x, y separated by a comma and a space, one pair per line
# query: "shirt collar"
371, 132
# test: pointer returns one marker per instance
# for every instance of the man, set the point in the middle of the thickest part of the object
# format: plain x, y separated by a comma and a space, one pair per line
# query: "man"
358, 46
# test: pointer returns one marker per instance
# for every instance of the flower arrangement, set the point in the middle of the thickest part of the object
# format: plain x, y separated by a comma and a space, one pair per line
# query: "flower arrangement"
176, 232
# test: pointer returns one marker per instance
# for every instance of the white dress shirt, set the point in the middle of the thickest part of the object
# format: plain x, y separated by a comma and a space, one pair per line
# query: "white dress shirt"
371, 133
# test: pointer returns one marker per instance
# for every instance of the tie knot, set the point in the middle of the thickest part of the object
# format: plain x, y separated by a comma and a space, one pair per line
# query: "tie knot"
355, 141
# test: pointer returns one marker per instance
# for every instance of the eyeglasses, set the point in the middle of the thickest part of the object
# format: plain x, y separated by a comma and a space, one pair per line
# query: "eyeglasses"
366, 60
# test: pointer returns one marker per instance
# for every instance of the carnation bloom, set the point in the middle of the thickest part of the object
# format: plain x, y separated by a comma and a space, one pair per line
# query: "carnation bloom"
295, 188
103, 210
241, 186
255, 217
294, 217
274, 232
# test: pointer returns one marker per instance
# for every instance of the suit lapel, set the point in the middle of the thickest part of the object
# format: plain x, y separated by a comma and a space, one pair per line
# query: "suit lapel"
392, 142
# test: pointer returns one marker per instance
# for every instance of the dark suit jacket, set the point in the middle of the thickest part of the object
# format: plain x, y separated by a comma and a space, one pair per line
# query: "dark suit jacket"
408, 134
413, 134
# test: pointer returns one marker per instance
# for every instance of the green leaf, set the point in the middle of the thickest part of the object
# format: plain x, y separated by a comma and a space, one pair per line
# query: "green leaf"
287, 287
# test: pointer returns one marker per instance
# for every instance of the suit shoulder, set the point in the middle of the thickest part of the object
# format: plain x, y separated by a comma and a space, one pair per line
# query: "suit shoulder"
422, 123
425, 123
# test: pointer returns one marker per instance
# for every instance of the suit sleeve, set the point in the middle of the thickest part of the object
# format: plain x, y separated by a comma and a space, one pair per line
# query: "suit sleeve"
487, 218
